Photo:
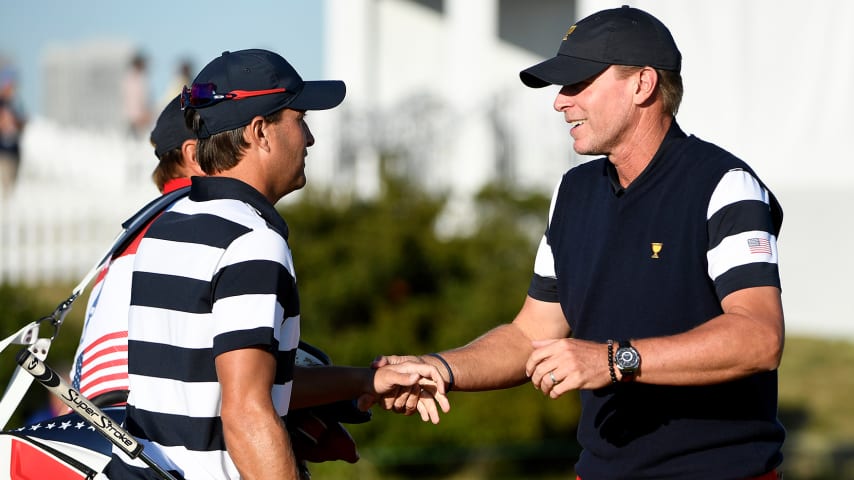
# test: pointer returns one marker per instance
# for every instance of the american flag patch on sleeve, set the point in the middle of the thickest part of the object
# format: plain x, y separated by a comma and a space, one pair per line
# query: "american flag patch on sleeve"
759, 245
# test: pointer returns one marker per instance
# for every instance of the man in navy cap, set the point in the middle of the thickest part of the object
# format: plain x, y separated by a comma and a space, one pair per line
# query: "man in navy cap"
214, 318
99, 369
656, 291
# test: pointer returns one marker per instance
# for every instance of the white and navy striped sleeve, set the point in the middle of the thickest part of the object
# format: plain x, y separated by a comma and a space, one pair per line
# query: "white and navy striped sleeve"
543, 285
742, 236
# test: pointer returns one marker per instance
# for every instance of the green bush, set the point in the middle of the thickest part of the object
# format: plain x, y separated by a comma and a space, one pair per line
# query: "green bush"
21, 305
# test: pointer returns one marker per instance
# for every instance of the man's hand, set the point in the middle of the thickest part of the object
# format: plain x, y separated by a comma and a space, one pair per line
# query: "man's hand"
423, 394
558, 366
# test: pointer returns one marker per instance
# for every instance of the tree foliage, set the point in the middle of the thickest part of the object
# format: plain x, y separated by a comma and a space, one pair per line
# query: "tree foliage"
20, 305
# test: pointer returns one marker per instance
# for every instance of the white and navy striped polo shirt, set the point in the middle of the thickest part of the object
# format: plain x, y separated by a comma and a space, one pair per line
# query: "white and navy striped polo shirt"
213, 274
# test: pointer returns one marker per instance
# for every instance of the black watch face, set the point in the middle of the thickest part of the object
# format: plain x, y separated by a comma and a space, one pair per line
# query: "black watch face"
627, 359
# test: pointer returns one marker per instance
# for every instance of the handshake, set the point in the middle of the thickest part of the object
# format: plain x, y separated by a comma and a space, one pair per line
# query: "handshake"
406, 384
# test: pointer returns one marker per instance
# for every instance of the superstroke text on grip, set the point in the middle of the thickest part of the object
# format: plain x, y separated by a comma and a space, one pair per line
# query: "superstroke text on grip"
77, 402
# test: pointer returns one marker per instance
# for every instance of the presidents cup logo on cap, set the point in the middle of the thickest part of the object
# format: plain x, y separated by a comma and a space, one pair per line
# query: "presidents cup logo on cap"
620, 36
569, 32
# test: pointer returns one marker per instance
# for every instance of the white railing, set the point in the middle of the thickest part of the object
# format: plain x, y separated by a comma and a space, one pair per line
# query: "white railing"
74, 189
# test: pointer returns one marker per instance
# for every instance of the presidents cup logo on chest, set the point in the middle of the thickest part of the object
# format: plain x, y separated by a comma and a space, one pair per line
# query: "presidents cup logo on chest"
656, 249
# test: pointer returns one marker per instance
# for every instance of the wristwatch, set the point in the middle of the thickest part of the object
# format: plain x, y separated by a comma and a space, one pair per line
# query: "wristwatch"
627, 360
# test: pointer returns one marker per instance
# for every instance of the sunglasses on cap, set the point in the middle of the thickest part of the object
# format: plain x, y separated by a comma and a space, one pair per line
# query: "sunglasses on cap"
200, 95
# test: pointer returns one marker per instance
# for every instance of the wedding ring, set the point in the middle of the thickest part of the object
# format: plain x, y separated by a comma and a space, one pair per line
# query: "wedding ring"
554, 380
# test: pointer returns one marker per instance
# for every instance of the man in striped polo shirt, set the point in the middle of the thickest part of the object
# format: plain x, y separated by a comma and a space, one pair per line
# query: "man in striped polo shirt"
214, 318
656, 291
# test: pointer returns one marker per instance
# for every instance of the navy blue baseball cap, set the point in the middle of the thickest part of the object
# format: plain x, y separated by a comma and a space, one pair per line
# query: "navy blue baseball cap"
237, 86
170, 130
619, 36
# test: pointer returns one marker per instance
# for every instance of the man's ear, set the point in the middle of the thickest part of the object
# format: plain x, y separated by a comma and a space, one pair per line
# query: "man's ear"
254, 133
647, 82
189, 162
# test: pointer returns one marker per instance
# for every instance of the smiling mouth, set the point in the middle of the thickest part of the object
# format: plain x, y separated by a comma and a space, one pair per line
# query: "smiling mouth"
575, 123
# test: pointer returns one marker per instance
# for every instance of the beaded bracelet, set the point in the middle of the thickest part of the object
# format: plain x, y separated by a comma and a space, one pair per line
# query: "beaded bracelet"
611, 361
450, 372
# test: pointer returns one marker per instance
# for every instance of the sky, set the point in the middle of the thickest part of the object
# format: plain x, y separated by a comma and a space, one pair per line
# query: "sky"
165, 31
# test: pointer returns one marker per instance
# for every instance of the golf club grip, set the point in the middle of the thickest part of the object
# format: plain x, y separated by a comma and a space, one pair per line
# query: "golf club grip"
78, 403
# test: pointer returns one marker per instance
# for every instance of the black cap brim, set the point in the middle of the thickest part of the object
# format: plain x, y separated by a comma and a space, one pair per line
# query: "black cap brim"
319, 95
561, 70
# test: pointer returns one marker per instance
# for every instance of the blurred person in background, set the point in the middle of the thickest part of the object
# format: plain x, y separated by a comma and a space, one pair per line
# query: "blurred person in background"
656, 289
136, 97
11, 127
183, 75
